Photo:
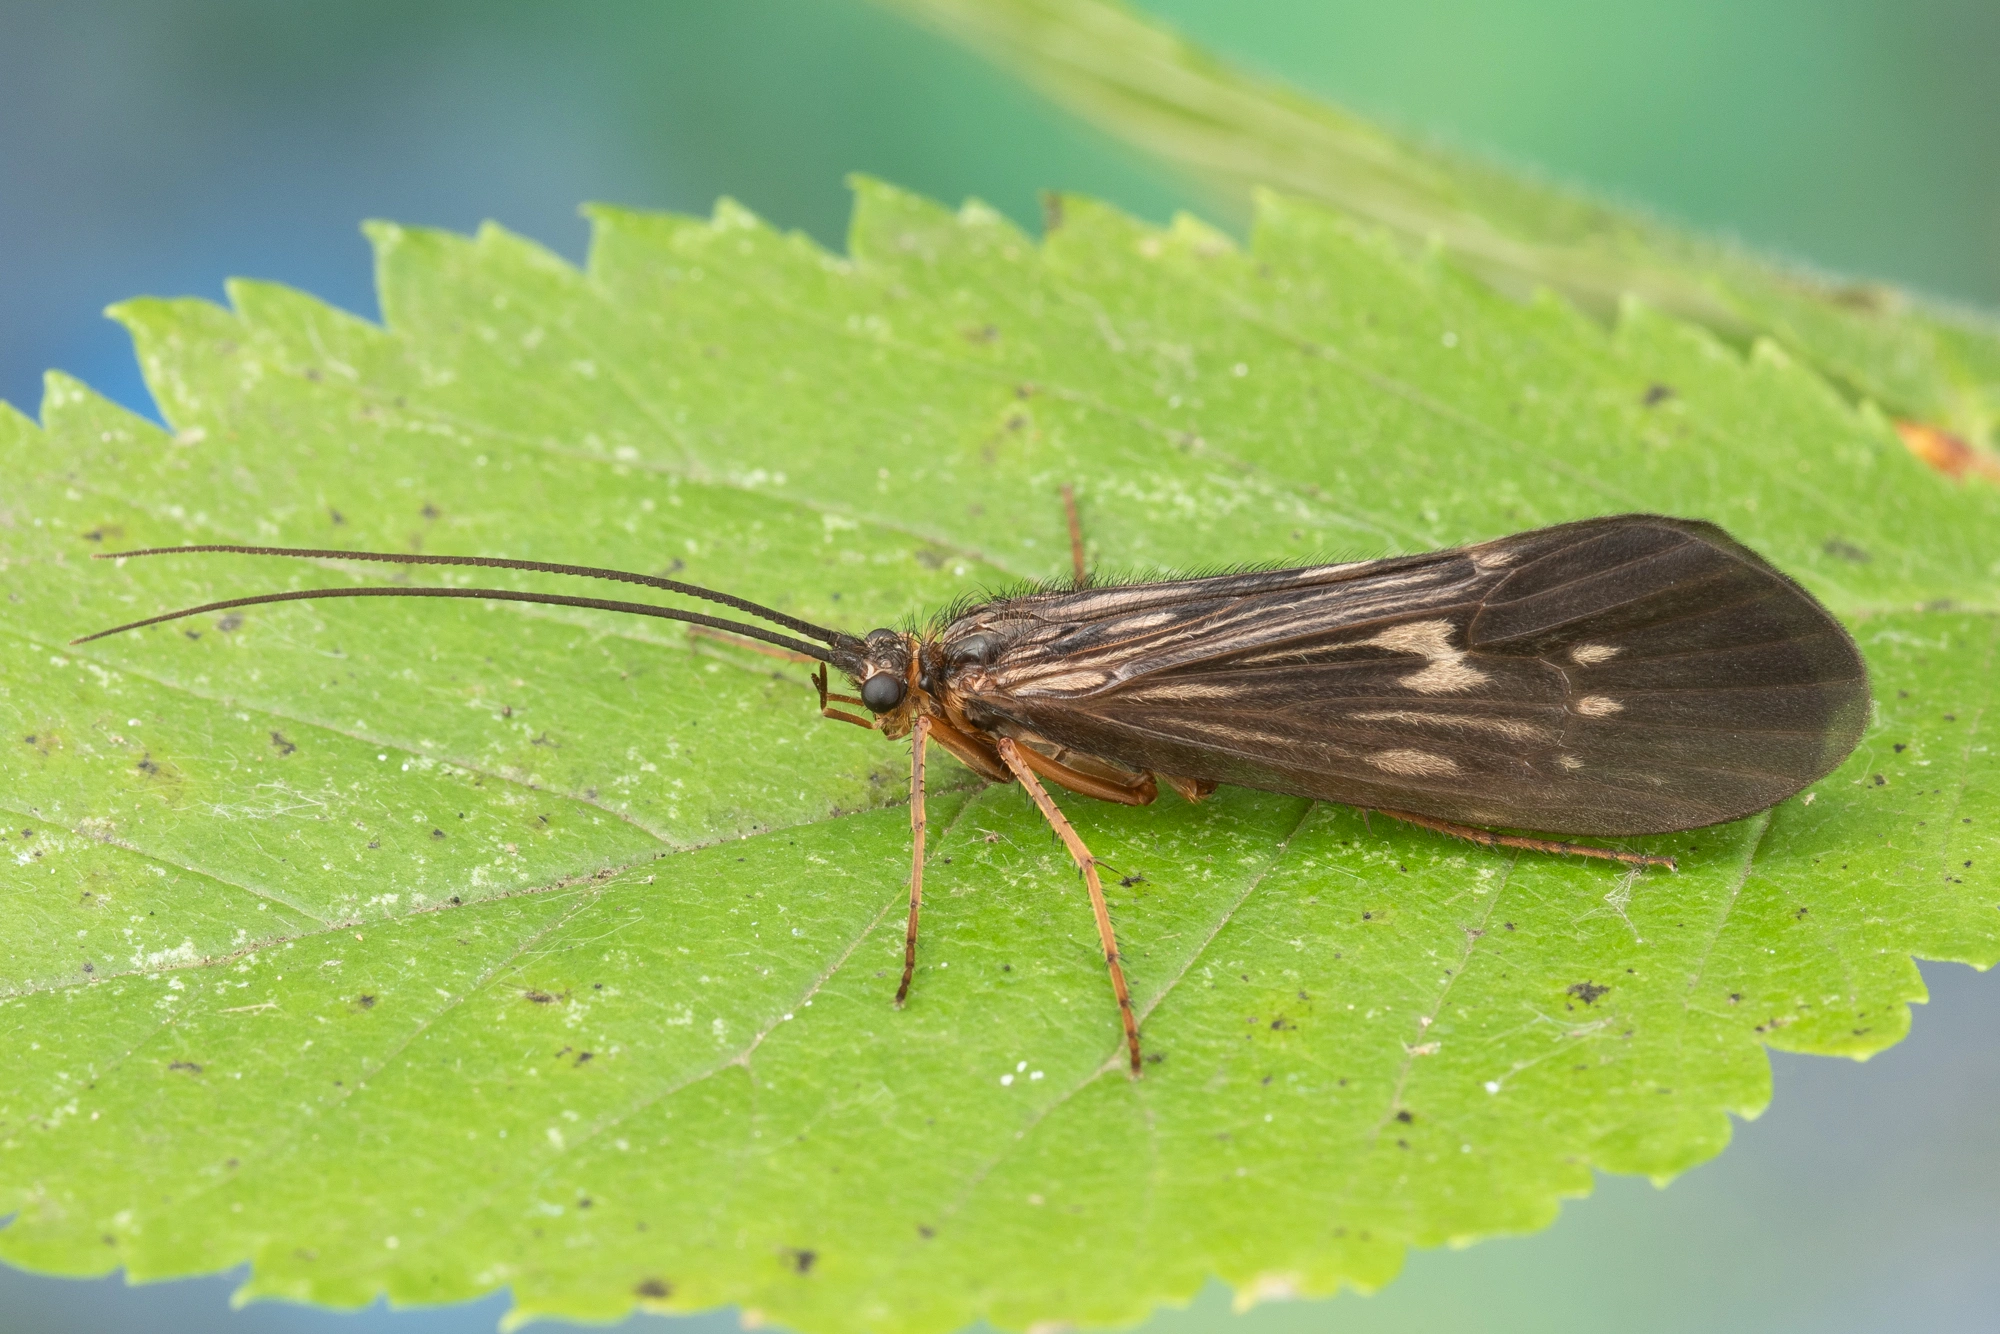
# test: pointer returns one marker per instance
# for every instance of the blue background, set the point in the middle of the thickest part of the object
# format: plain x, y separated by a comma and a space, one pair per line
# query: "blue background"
159, 146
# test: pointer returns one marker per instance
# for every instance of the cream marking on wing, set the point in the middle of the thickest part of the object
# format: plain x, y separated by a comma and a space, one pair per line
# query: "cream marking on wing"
1179, 691
1496, 559
1066, 681
1569, 761
1414, 763
1589, 655
1511, 728
1598, 706
1144, 622
1445, 670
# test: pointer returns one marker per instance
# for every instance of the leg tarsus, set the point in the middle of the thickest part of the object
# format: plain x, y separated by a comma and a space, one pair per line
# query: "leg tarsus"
1012, 755
1486, 838
918, 735
1075, 536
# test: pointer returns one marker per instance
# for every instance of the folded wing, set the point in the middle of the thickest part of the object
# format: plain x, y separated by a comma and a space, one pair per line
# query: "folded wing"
1626, 675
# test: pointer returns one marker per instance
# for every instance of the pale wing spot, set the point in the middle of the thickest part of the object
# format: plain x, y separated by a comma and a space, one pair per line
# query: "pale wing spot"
1065, 681
1494, 558
1142, 622
1180, 692
1589, 655
1414, 763
1598, 706
1511, 728
1569, 761
1445, 670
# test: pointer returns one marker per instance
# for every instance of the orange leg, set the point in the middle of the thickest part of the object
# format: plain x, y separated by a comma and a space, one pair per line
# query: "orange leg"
918, 735
1075, 535
1015, 758
838, 715
738, 641
1139, 791
1486, 838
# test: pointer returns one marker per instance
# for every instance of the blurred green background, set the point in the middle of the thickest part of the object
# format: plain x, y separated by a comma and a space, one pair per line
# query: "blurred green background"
159, 146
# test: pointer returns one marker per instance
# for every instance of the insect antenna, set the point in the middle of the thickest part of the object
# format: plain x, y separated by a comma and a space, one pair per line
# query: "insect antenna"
819, 652
834, 638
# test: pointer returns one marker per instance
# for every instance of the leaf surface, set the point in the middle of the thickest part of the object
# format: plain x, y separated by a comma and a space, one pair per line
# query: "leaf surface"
433, 947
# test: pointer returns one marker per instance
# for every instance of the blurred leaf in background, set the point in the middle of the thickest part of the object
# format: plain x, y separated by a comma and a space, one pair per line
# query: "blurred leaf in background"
1922, 360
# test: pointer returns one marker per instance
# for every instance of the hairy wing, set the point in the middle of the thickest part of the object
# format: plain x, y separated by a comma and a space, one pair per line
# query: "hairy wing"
1627, 675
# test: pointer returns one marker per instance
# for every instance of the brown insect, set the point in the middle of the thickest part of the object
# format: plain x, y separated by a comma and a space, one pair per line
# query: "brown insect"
1618, 676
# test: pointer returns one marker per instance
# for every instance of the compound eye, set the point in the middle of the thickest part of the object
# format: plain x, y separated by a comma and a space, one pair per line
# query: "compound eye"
882, 692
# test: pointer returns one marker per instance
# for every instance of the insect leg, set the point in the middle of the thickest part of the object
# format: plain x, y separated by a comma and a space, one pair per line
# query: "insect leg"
918, 736
1075, 535
839, 715
1014, 757
976, 754
738, 641
1141, 790
1486, 838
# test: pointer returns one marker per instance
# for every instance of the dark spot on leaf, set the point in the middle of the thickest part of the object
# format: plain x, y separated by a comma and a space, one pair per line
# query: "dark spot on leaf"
283, 746
437, 833
1587, 992
932, 557
1951, 717
1136, 878
539, 997
94, 535
925, 1232
146, 765
365, 1001
1880, 781
374, 844
1657, 394
980, 333
188, 1066
429, 511
1405, 1116
1509, 925
1843, 549
585, 1202
801, 1260
337, 517
656, 1288
230, 622
1900, 748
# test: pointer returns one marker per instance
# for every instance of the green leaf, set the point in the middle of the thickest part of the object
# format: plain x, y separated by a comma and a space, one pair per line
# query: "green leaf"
426, 948
1919, 358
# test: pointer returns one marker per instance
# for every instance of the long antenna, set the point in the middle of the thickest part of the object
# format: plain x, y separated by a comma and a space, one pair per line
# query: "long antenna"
493, 594
807, 628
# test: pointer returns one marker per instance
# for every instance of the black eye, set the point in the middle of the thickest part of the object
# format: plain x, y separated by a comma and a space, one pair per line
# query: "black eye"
882, 692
